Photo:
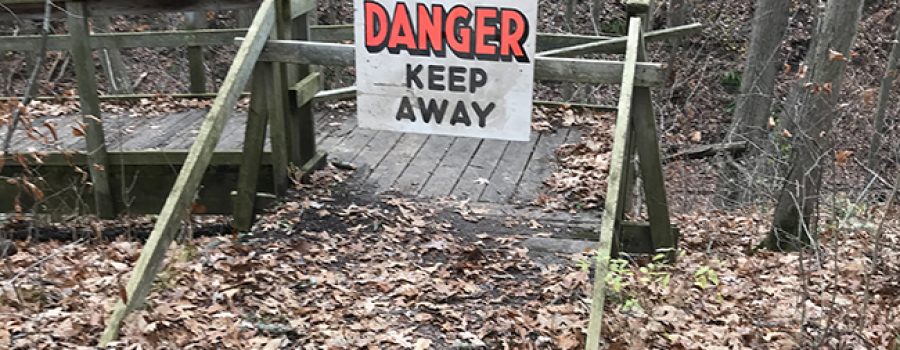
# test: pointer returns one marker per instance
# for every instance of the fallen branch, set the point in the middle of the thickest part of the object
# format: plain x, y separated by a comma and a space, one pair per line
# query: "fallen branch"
705, 151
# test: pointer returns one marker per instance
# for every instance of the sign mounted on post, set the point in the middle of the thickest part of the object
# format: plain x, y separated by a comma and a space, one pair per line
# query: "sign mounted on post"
450, 67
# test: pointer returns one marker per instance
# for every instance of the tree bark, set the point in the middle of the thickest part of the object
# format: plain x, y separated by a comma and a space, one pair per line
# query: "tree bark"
753, 105
810, 118
884, 95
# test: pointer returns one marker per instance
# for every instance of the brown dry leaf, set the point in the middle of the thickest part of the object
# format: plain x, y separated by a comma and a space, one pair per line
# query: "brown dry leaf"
422, 344
836, 56
841, 158
870, 96
786, 133
78, 131
696, 136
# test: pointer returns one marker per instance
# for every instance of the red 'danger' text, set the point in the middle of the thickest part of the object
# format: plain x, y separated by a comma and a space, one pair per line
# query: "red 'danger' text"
487, 33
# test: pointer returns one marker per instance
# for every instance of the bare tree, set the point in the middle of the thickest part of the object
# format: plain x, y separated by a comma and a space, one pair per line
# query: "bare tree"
810, 114
884, 95
754, 103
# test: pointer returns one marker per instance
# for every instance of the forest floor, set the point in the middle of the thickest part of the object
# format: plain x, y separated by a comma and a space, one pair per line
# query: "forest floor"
333, 268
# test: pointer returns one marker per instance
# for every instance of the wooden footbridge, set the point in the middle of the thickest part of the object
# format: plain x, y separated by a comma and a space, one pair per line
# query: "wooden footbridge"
223, 161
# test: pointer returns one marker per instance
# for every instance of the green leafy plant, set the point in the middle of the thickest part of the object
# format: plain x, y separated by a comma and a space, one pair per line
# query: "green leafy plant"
705, 277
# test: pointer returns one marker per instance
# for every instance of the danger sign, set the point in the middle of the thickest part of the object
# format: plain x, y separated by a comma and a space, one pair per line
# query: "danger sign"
461, 68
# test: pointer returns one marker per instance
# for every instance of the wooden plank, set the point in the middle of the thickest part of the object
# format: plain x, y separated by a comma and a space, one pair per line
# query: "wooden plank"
451, 168
160, 130
305, 90
196, 63
254, 139
90, 107
396, 161
546, 68
142, 175
616, 45
347, 150
302, 7
422, 166
509, 171
25, 9
127, 40
647, 145
540, 166
188, 181
478, 173
301, 125
615, 192
338, 136
374, 153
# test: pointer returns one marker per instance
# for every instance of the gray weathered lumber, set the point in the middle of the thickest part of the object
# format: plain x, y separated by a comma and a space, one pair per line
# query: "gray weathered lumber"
396, 162
188, 181
422, 167
616, 45
196, 63
546, 68
200, 37
449, 171
509, 171
371, 157
540, 166
26, 9
477, 175
90, 108
616, 190
254, 139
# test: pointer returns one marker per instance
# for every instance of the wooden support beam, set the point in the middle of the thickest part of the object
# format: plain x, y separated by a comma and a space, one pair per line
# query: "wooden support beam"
306, 90
616, 45
196, 62
147, 173
301, 124
635, 238
616, 190
186, 186
261, 106
90, 108
33, 9
200, 37
546, 68
302, 7
651, 170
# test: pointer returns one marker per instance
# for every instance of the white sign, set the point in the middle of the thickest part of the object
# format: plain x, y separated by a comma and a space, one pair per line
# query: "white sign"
461, 68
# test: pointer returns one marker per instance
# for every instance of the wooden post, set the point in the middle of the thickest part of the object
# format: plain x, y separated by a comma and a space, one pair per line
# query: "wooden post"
188, 181
90, 107
112, 62
262, 105
196, 62
301, 122
616, 190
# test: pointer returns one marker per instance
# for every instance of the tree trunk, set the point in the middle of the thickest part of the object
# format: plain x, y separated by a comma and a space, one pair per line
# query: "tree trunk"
753, 106
113, 64
809, 121
884, 95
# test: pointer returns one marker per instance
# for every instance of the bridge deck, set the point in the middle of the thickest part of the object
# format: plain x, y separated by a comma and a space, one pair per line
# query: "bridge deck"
417, 165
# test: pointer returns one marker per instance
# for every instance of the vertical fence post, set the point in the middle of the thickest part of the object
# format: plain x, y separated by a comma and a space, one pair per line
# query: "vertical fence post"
90, 107
196, 63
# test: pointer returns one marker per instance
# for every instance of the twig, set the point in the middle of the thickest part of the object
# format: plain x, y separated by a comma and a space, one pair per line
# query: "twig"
43, 260
876, 253
31, 88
